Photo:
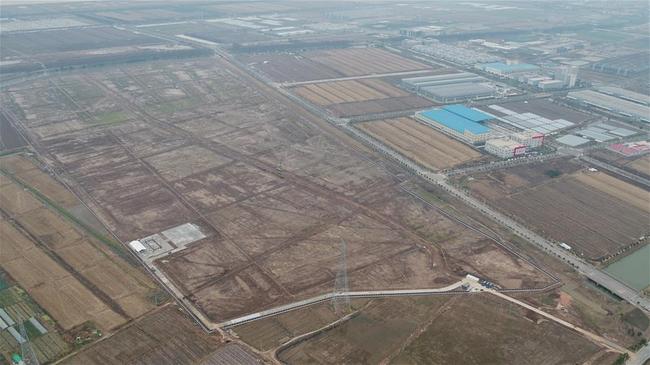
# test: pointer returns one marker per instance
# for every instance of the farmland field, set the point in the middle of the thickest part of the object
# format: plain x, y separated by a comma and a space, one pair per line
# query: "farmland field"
57, 262
357, 97
420, 143
274, 188
595, 213
48, 346
443, 330
71, 40
317, 65
641, 164
66, 48
9, 137
364, 61
288, 67
166, 336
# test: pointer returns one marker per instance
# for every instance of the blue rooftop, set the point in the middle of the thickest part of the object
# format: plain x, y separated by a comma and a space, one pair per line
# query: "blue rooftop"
454, 121
467, 113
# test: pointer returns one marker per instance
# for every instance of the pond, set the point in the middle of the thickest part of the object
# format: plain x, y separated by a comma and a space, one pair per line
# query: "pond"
634, 269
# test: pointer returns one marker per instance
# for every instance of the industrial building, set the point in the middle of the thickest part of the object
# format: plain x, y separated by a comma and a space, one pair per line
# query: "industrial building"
504, 69
626, 65
551, 84
530, 139
459, 121
631, 148
530, 121
504, 148
625, 94
460, 55
612, 104
572, 140
458, 92
451, 88
603, 132
415, 83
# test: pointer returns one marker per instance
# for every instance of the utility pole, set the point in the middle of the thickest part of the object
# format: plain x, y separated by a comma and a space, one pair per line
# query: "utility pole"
29, 357
341, 300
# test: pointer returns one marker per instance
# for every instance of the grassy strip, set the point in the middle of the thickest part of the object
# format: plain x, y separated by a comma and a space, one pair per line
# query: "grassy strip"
13, 151
116, 247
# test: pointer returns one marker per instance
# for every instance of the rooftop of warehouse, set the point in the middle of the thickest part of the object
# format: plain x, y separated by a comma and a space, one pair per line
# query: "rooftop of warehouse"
468, 89
454, 121
468, 113
440, 77
503, 142
510, 67
610, 101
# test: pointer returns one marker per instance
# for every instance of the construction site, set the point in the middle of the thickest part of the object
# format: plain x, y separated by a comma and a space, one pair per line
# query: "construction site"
245, 188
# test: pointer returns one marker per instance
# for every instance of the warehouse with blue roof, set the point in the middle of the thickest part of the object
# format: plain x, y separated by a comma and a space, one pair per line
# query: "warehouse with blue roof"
458, 120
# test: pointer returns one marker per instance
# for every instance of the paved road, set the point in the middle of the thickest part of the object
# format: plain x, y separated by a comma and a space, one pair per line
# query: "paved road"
584, 268
596, 338
616, 170
502, 164
350, 294
640, 357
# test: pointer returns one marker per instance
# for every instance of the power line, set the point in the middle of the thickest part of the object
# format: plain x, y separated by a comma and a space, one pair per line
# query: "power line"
341, 299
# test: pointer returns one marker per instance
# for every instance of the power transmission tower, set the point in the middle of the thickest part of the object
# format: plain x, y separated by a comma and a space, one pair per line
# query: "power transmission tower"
29, 357
341, 300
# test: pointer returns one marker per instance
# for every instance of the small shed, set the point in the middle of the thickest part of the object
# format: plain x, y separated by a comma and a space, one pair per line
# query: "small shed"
137, 246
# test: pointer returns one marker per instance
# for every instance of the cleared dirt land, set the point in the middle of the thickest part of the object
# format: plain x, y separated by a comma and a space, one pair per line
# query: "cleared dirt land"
358, 97
420, 143
595, 213
318, 65
365, 61
71, 275
274, 188
167, 336
9, 137
641, 164
476, 329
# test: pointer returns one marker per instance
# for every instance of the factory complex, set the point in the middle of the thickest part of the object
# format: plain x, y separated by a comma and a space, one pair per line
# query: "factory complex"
504, 147
615, 104
530, 121
504, 69
469, 125
451, 88
462, 122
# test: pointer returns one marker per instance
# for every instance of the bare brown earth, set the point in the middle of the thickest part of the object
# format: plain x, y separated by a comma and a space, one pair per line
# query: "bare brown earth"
477, 329
595, 213
276, 188
70, 274
358, 97
56, 290
318, 65
166, 336
364, 61
641, 164
420, 143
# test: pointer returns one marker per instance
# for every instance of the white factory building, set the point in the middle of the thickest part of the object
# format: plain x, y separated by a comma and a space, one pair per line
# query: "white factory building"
505, 148
530, 139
